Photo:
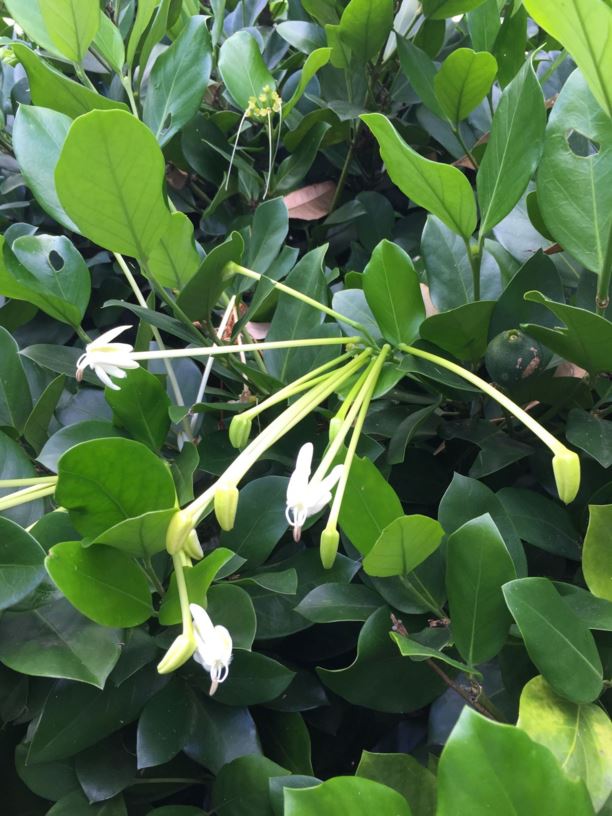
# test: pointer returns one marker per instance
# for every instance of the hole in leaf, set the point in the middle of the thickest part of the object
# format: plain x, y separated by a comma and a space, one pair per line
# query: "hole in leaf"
581, 145
56, 261
167, 122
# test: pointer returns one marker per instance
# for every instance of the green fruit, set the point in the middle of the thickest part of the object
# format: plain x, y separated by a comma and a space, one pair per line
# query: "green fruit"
513, 356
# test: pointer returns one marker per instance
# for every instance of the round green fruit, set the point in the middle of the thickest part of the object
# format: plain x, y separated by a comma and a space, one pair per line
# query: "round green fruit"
513, 356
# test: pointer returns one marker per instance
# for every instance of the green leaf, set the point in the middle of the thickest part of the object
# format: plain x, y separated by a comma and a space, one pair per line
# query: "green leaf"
116, 201
178, 80
144, 12
164, 725
200, 294
596, 553
314, 62
254, 678
330, 603
584, 27
392, 289
21, 563
541, 521
41, 416
38, 137
104, 584
76, 803
483, 25
105, 481
243, 69
175, 260
109, 43
487, 767
477, 566
574, 180
14, 464
404, 774
269, 230
414, 649
250, 775
595, 612
463, 81
365, 26
286, 739
71, 435
403, 545
15, 399
439, 188
343, 796
585, 340
198, 579
71, 24
142, 536
28, 14
48, 271
380, 678
513, 150
420, 70
73, 717
591, 434
51, 89
461, 331
231, 606
579, 736
54, 640
260, 520
558, 642
369, 505
441, 9
141, 407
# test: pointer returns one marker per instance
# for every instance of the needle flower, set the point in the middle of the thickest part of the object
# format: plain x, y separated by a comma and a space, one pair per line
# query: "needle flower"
306, 496
106, 358
213, 646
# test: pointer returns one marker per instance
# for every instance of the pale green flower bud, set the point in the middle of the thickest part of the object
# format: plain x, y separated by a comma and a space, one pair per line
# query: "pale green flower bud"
330, 539
179, 530
192, 546
181, 650
240, 430
566, 467
226, 504
334, 426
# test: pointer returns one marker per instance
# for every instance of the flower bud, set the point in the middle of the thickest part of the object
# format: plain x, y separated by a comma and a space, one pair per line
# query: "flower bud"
330, 538
566, 467
226, 504
192, 546
334, 426
240, 430
179, 530
181, 650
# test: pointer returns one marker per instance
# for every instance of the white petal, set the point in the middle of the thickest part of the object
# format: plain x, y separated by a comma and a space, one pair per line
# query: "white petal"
103, 377
317, 500
304, 457
201, 621
223, 645
109, 336
114, 370
332, 478
298, 483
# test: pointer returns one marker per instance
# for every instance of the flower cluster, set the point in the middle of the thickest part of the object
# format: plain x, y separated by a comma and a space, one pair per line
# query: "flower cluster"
264, 105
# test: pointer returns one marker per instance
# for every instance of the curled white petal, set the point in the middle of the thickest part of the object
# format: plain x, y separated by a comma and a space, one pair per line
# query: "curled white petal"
305, 496
106, 358
213, 646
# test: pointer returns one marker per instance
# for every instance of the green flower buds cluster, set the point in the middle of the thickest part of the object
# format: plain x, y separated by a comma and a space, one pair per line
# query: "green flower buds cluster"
226, 504
240, 430
264, 105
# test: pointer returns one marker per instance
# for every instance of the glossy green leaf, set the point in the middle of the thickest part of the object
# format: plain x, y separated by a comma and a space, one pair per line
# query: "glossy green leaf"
105, 481
54, 640
316, 60
254, 678
250, 775
102, 583
142, 536
243, 69
487, 767
369, 505
541, 521
584, 27
329, 603
461, 331
441, 9
37, 425
77, 804
198, 580
144, 12
391, 287
71, 24
513, 150
48, 271
403, 545
141, 407
175, 260
117, 201
483, 25
15, 464
201, 293
477, 566
574, 179
71, 435
421, 71
365, 26
580, 736
558, 642
38, 138
51, 89
586, 338
416, 651
178, 80
231, 606
15, 400
286, 740
596, 554
380, 678
343, 796
28, 14
21, 563
404, 774
109, 43
464, 79
439, 188
591, 434
164, 725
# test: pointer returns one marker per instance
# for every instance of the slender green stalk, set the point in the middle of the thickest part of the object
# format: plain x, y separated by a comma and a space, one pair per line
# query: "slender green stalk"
475, 260
26, 495
288, 290
181, 586
35, 480
207, 351
466, 149
80, 72
127, 86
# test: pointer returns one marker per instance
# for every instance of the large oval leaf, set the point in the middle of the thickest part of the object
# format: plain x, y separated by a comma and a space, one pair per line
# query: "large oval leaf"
21, 563
243, 69
346, 796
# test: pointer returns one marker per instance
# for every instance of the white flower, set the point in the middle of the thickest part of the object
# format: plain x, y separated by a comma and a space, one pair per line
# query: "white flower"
107, 358
305, 496
214, 646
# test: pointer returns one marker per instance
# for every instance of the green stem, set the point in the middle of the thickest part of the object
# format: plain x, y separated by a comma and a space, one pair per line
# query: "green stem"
80, 72
561, 57
82, 334
345, 169
127, 86
35, 480
475, 261
422, 594
468, 152
603, 285
26, 495
181, 586
207, 351
288, 290
527, 420
147, 567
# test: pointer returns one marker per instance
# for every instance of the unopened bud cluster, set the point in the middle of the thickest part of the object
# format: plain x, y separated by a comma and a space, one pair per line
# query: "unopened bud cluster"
264, 105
